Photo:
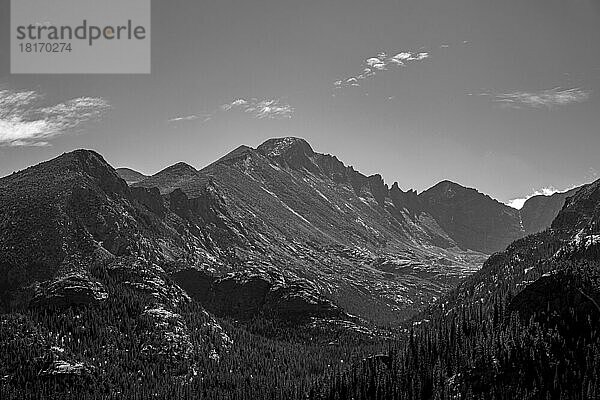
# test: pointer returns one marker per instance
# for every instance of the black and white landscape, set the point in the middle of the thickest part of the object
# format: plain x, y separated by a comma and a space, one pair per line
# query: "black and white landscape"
309, 200
280, 272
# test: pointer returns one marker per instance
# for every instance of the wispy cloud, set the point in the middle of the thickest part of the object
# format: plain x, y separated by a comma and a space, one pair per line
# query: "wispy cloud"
25, 122
268, 108
256, 108
545, 98
185, 118
380, 63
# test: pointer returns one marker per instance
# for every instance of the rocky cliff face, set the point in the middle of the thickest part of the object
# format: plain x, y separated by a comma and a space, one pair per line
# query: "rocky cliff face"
69, 289
406, 200
581, 211
121, 315
538, 212
249, 294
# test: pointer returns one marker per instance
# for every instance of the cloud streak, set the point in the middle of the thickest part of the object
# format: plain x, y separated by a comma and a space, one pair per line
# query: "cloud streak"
24, 122
380, 63
259, 109
270, 108
184, 118
543, 99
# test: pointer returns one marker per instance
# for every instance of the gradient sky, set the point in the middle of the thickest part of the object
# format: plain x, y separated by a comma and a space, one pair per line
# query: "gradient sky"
505, 96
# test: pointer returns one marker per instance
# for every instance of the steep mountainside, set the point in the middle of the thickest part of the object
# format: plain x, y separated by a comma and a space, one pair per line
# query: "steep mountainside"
553, 276
63, 210
90, 305
130, 176
361, 244
374, 250
474, 220
538, 212
61, 217
573, 236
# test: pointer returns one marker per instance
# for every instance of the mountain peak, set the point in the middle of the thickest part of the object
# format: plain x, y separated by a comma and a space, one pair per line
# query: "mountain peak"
170, 178
67, 170
473, 219
81, 158
291, 152
447, 189
180, 167
89, 162
445, 184
285, 146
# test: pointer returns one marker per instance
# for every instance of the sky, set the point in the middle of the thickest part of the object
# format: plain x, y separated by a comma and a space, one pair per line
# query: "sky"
503, 96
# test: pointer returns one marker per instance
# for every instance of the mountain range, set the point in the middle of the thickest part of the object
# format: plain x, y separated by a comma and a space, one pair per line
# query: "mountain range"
266, 239
257, 219
474, 221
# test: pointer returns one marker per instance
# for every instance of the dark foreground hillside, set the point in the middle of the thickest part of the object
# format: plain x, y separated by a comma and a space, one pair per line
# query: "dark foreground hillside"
146, 342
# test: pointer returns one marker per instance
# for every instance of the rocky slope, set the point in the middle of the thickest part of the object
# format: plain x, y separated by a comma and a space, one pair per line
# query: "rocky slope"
307, 216
61, 217
89, 304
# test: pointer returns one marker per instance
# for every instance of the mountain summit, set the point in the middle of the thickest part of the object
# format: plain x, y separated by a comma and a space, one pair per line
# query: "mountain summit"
286, 146
474, 220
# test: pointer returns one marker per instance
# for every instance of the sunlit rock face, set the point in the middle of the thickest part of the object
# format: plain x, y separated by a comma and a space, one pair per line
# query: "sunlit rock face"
70, 289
